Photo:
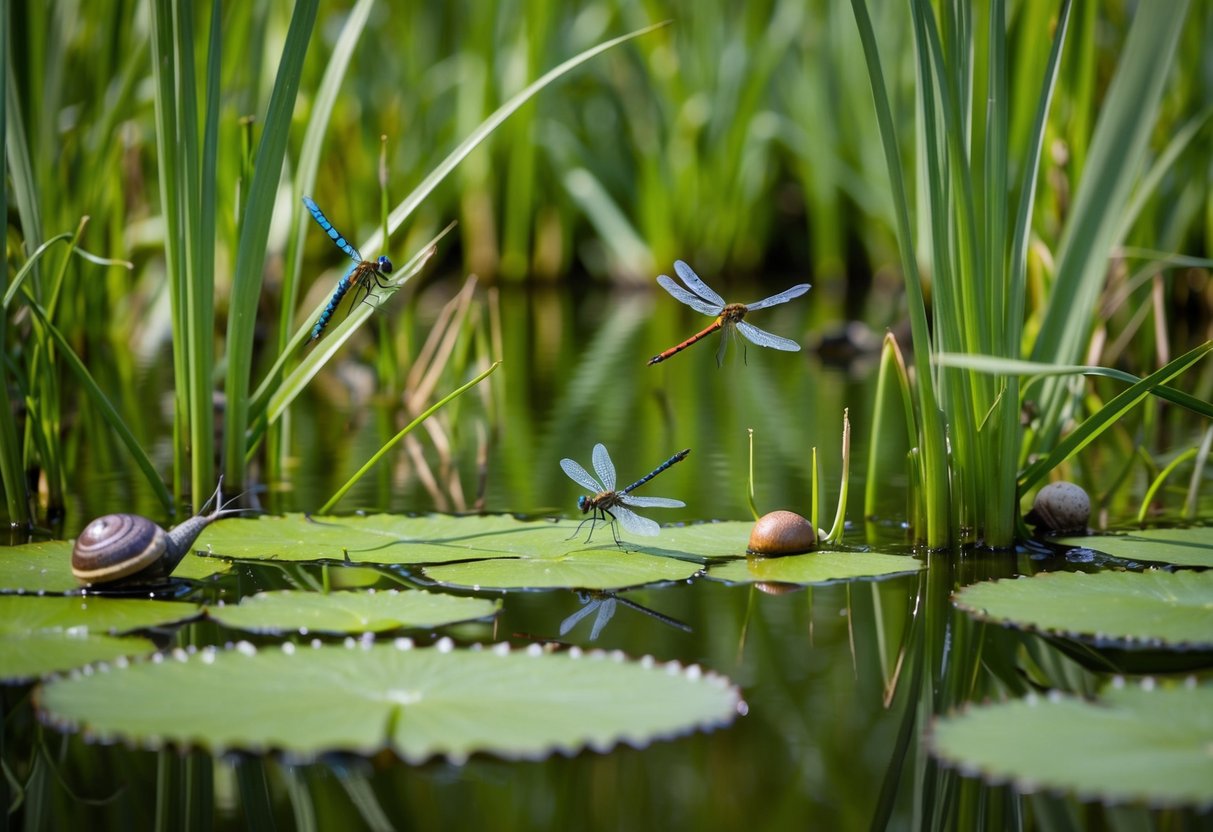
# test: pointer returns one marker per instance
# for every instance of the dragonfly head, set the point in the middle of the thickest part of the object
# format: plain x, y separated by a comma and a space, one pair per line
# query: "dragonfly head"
583, 503
385, 265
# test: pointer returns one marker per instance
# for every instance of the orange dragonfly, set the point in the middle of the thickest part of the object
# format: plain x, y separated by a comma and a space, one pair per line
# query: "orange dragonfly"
728, 316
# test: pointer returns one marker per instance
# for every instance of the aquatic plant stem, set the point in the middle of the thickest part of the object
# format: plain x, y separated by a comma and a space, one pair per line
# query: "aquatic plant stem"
254, 230
378, 455
930, 431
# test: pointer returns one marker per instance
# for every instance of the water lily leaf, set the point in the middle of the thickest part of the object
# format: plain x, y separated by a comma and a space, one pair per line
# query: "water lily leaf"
1134, 744
1182, 547
348, 612
1136, 609
814, 568
437, 538
40, 635
47, 567
587, 569
416, 702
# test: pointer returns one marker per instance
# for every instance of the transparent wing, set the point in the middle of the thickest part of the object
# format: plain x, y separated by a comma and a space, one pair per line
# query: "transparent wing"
571, 622
604, 467
581, 476
651, 502
765, 339
696, 285
783, 297
679, 293
634, 523
604, 615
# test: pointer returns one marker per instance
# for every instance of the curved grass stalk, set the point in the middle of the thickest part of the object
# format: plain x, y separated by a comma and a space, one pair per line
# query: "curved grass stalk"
1158, 482
378, 455
1120, 404
835, 533
892, 367
108, 411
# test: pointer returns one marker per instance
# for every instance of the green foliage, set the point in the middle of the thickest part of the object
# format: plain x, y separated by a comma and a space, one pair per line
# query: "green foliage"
417, 703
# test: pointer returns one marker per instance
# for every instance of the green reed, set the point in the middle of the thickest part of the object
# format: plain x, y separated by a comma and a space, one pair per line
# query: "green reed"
973, 239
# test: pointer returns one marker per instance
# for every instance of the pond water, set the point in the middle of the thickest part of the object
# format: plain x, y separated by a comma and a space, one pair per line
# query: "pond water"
837, 678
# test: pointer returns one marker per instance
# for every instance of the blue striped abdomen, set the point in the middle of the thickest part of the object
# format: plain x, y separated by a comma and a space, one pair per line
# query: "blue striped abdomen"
343, 286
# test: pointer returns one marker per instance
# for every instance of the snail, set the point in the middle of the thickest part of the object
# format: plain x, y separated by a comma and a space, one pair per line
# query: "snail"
781, 533
1061, 508
128, 548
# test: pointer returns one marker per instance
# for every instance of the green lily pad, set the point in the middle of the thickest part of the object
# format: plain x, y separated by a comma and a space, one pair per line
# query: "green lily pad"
40, 635
814, 568
1182, 547
418, 703
1135, 609
47, 567
349, 612
1133, 744
527, 554
439, 538
589, 569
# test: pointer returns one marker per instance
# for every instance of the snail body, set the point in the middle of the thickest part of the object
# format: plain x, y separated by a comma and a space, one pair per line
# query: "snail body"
129, 548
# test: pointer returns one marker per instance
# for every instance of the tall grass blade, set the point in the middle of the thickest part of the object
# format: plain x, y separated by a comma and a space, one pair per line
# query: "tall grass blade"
16, 498
930, 433
1116, 152
254, 228
432, 180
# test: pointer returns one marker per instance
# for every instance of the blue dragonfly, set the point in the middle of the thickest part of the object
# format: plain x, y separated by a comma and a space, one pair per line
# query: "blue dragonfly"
362, 274
604, 501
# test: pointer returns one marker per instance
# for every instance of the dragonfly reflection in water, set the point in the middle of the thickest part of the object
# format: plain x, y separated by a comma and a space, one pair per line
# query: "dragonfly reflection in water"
362, 274
604, 603
604, 501
728, 316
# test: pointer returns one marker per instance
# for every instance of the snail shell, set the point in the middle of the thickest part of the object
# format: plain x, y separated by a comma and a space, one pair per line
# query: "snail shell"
1061, 507
133, 549
782, 533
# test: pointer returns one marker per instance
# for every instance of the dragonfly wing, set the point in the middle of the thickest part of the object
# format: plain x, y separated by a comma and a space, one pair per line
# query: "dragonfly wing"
571, 622
765, 339
605, 611
634, 523
783, 297
696, 285
681, 294
581, 476
604, 467
651, 502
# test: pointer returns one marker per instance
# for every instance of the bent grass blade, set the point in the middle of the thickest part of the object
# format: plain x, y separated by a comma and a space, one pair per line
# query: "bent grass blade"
378, 455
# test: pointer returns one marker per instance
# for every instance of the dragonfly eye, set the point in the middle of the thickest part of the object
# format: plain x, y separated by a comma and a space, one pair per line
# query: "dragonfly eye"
583, 503
385, 265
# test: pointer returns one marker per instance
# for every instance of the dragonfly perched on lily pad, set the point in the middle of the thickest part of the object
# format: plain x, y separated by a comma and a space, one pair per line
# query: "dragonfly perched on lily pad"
605, 501
362, 274
729, 316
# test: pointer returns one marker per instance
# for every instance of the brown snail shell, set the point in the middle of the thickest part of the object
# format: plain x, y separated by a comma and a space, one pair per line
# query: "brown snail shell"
782, 533
128, 548
1061, 508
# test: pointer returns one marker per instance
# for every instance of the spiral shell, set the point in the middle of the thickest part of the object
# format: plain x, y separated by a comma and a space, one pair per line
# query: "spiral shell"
117, 546
782, 533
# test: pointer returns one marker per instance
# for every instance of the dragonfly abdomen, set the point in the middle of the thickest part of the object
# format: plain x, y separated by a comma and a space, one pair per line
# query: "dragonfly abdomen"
343, 286
698, 336
678, 457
